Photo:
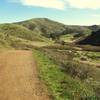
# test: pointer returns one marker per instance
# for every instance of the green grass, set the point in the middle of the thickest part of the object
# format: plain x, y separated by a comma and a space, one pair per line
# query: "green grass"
67, 38
61, 85
21, 32
18, 36
91, 57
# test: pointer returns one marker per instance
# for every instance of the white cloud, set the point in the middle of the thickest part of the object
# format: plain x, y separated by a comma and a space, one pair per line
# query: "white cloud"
58, 4
92, 4
61, 4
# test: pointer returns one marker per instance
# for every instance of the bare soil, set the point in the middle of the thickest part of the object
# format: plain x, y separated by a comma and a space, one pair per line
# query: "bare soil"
19, 77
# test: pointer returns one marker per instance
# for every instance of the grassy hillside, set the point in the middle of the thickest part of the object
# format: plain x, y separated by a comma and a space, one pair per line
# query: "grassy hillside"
44, 26
48, 27
17, 35
93, 39
20, 31
94, 27
43, 30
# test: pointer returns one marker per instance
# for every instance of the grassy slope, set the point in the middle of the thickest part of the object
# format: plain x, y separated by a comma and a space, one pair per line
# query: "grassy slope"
46, 26
20, 31
37, 29
93, 39
43, 26
67, 38
17, 36
61, 85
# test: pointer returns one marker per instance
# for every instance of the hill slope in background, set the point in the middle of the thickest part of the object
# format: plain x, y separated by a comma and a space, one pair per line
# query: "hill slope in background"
43, 26
46, 27
41, 29
93, 39
19, 31
94, 27
16, 35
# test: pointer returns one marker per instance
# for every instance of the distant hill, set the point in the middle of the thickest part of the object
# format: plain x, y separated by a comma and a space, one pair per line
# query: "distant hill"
94, 27
42, 30
46, 27
93, 39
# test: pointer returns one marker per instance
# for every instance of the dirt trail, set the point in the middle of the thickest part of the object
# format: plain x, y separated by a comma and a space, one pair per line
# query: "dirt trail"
18, 77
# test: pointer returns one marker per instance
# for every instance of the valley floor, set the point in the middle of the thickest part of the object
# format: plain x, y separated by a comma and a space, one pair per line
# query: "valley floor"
19, 77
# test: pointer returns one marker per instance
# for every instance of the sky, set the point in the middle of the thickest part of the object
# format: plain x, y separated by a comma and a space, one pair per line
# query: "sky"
70, 12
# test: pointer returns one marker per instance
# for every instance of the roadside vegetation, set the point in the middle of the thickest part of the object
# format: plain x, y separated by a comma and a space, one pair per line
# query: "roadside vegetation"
77, 63
61, 85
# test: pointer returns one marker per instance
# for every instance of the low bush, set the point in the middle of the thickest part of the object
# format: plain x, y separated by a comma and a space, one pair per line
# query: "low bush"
60, 84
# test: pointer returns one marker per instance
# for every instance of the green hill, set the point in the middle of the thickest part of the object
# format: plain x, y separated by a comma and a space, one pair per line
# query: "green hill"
44, 26
20, 31
42, 30
48, 27
17, 36
93, 39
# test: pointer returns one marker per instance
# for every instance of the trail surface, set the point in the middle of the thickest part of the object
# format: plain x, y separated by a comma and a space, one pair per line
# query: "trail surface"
19, 78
